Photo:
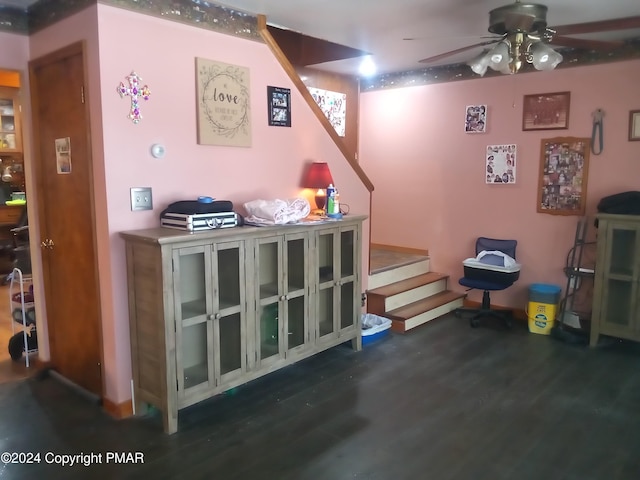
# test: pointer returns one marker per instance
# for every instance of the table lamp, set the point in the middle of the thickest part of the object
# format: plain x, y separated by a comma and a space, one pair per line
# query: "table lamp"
319, 178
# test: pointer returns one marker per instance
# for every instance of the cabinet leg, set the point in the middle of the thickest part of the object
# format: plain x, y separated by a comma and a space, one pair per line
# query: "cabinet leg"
170, 422
593, 339
356, 343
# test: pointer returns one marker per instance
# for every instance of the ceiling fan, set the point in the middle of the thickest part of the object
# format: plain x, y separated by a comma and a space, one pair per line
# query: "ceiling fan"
525, 37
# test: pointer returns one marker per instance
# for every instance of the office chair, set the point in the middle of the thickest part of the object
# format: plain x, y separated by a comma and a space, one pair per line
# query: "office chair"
489, 274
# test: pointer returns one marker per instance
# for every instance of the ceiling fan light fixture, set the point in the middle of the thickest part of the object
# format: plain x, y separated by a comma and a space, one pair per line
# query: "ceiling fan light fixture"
544, 57
499, 56
512, 67
480, 63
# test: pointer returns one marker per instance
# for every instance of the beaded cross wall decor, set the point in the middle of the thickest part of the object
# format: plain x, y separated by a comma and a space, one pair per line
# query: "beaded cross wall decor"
135, 91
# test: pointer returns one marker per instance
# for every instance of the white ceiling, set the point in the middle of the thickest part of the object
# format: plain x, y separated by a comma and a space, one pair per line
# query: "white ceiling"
436, 26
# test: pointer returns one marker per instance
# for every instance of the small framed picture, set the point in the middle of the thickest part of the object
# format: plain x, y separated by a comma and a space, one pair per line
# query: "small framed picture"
500, 167
63, 155
476, 119
546, 111
279, 100
634, 125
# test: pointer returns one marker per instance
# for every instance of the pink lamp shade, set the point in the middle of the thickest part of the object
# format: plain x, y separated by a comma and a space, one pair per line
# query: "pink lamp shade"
318, 177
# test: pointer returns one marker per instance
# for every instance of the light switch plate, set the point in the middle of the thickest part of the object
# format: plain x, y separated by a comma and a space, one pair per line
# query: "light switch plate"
141, 198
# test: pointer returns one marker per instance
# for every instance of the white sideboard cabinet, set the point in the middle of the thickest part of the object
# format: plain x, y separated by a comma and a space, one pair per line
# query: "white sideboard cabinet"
211, 310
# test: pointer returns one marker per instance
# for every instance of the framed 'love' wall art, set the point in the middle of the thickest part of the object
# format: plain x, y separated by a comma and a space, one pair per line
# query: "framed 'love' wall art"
223, 104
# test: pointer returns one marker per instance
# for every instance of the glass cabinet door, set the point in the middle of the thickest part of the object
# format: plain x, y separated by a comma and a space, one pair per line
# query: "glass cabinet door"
193, 302
10, 140
282, 271
326, 265
337, 276
621, 277
229, 312
295, 298
269, 290
348, 277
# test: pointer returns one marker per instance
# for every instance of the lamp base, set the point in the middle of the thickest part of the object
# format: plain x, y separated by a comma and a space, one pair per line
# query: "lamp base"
318, 212
321, 199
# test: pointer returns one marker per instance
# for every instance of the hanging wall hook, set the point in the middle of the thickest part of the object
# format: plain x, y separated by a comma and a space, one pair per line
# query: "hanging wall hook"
596, 132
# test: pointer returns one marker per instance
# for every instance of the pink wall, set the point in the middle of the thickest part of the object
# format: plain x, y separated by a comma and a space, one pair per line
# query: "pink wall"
14, 52
429, 175
163, 53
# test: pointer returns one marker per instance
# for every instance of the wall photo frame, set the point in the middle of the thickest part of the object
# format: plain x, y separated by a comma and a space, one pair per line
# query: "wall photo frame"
334, 107
546, 111
634, 126
476, 119
63, 155
564, 168
279, 102
501, 164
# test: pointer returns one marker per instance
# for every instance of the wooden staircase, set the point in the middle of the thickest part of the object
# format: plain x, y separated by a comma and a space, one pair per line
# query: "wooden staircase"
409, 294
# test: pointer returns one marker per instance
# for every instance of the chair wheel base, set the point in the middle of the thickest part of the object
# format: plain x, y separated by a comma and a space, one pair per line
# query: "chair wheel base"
505, 316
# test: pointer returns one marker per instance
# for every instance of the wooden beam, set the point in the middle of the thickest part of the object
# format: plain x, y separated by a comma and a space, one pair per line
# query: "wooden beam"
303, 50
302, 88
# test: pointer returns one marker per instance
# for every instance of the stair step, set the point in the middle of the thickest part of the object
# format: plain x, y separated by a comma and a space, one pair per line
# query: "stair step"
395, 295
417, 313
407, 284
387, 277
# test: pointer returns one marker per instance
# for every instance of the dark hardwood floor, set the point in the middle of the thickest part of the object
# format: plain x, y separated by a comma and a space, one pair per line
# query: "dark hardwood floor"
443, 401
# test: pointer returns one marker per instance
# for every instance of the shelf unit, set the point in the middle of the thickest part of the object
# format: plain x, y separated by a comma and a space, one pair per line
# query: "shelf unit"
16, 287
616, 300
212, 310
577, 271
10, 122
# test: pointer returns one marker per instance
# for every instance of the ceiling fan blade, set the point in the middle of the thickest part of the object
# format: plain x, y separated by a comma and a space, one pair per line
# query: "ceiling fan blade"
585, 44
518, 22
456, 51
601, 26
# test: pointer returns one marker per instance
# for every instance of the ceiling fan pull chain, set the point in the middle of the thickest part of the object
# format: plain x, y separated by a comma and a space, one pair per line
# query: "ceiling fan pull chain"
598, 116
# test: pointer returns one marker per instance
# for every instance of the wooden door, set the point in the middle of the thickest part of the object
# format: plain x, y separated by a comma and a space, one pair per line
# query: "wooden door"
66, 215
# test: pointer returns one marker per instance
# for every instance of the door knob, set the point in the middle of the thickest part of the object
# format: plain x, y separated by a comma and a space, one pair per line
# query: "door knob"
47, 243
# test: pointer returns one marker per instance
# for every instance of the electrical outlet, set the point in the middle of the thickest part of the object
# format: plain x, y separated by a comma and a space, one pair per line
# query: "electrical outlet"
141, 198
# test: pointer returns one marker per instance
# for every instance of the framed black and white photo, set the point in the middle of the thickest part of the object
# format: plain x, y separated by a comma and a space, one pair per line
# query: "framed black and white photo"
476, 119
279, 100
546, 111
